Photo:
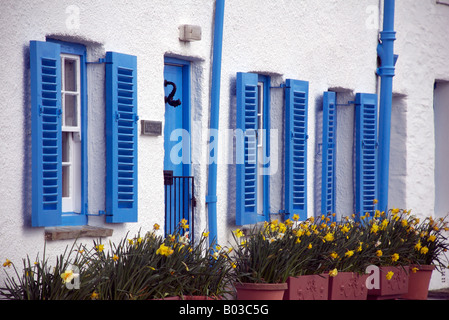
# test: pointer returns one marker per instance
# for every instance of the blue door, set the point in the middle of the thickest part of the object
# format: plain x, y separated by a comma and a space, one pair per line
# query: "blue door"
178, 183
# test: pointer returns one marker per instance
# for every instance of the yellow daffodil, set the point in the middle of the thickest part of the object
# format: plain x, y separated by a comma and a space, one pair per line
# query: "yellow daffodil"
379, 253
404, 222
374, 228
415, 269
329, 237
424, 250
418, 246
69, 275
282, 228
115, 257
309, 246
184, 224
345, 229
431, 238
156, 226
130, 242
334, 255
349, 253
333, 273
7, 263
295, 217
384, 224
94, 295
375, 201
238, 233
395, 257
389, 275
99, 247
205, 234
164, 250
360, 247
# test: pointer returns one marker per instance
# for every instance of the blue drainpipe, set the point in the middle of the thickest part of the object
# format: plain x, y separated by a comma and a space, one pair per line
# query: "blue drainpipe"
386, 71
211, 197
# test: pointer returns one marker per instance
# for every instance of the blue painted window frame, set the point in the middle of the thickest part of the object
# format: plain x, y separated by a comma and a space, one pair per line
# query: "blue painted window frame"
247, 211
69, 218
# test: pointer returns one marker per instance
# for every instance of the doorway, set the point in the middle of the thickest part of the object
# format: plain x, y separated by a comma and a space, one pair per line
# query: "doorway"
178, 182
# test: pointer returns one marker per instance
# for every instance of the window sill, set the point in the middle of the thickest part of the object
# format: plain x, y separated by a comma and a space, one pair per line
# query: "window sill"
74, 232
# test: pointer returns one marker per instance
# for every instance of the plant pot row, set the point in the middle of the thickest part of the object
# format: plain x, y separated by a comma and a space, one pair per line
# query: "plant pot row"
403, 284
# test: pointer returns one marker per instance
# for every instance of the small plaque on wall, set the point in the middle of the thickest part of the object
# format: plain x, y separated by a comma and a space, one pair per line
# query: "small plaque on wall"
151, 128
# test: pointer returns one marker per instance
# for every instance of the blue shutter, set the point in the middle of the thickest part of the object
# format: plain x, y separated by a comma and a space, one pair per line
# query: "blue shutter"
366, 152
296, 104
121, 138
45, 73
247, 102
328, 153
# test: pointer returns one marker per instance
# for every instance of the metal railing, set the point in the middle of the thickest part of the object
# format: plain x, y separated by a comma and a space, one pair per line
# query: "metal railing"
179, 202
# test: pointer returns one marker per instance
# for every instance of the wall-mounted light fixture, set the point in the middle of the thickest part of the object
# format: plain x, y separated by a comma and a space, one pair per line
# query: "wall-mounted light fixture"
188, 32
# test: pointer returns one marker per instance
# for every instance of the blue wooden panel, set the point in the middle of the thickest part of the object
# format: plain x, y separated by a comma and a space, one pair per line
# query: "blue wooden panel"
45, 65
296, 111
329, 149
366, 153
121, 138
246, 175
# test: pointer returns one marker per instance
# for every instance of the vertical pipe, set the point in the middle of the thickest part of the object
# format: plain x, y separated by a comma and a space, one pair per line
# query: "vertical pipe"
386, 71
211, 198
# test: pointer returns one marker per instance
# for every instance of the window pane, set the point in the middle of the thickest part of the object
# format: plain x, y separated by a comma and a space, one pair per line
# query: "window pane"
66, 146
65, 181
70, 75
70, 110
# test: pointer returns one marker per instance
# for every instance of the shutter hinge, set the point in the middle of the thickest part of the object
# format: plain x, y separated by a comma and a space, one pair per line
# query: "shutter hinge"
40, 110
100, 61
100, 213
136, 118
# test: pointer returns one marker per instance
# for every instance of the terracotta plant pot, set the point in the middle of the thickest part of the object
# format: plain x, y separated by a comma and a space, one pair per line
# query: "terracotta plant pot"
418, 282
393, 288
348, 286
260, 291
309, 287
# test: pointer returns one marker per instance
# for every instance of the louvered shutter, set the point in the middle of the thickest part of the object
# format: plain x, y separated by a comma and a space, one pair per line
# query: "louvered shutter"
328, 153
246, 141
296, 104
45, 73
121, 138
366, 152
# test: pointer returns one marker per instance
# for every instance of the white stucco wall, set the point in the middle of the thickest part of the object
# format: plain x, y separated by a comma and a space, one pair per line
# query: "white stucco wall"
332, 44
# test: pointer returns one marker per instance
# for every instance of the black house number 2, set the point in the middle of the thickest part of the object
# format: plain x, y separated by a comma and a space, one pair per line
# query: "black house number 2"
169, 99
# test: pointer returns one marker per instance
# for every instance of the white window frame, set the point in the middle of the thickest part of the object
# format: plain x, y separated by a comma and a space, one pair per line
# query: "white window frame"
71, 198
260, 148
